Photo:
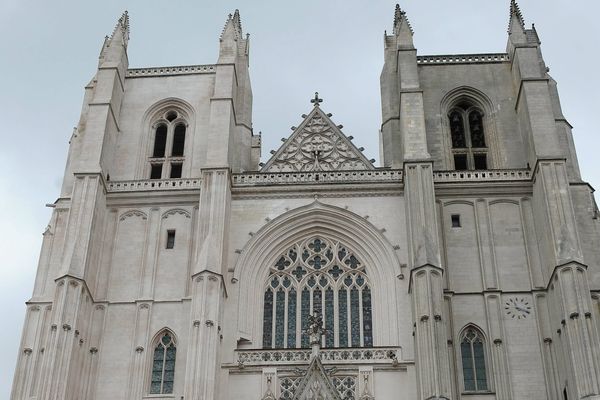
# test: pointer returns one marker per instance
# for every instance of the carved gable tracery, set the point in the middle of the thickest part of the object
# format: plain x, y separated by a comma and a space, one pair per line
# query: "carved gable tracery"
317, 145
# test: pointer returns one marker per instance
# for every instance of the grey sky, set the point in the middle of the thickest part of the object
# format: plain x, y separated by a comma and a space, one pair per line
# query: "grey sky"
335, 47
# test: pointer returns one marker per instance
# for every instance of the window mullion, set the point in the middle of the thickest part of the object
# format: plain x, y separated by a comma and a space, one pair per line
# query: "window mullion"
166, 172
348, 318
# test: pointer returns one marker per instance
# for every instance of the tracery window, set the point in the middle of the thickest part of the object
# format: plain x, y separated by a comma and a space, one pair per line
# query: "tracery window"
317, 276
163, 365
472, 352
469, 150
167, 157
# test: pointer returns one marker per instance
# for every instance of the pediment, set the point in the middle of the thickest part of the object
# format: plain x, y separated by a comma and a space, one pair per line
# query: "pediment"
317, 145
316, 384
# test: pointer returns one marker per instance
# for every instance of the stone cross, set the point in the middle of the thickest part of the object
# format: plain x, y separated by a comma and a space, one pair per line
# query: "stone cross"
316, 100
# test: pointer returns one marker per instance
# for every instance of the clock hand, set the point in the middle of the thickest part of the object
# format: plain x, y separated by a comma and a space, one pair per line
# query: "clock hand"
522, 309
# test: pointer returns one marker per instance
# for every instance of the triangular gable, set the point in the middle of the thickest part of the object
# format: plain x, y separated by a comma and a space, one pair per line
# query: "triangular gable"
317, 145
316, 384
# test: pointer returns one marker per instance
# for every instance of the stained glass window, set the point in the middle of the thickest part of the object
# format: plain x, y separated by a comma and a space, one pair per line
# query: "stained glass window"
163, 365
473, 360
468, 139
313, 277
268, 319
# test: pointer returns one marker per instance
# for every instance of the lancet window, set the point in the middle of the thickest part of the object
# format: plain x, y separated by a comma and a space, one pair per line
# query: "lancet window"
469, 149
163, 364
318, 276
167, 156
472, 350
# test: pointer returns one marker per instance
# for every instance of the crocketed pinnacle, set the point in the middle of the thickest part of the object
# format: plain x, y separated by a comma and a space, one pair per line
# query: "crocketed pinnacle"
233, 26
122, 27
400, 20
515, 16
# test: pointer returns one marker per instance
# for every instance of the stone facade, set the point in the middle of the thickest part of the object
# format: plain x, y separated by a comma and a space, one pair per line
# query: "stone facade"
437, 278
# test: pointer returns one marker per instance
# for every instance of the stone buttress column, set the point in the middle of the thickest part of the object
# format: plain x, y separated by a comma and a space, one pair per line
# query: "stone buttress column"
426, 276
208, 287
570, 317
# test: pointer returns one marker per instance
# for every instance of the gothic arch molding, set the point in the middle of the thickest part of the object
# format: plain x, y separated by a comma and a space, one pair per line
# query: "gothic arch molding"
383, 266
482, 102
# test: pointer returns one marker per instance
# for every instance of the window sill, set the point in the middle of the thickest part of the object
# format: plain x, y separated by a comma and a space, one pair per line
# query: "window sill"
478, 393
159, 396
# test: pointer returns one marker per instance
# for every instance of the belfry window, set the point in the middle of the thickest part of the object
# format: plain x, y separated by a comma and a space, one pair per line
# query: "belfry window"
473, 360
469, 150
163, 365
167, 157
317, 276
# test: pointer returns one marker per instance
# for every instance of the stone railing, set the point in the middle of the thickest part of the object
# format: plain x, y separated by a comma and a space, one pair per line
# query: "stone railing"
482, 175
372, 355
313, 178
463, 58
153, 184
166, 71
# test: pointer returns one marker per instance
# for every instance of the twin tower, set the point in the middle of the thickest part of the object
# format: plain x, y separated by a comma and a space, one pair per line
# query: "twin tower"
176, 265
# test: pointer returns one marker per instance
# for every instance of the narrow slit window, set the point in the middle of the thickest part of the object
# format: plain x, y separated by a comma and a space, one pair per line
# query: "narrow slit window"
176, 170
170, 239
156, 171
160, 141
178, 141
455, 220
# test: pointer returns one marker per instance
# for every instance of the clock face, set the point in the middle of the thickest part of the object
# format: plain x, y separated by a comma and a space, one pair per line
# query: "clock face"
517, 308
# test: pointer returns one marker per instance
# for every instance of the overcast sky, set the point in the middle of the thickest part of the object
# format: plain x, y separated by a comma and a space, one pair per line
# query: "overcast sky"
298, 47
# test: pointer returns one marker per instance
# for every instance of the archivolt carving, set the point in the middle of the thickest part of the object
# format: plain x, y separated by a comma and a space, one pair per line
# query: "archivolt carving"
132, 213
331, 222
176, 211
317, 145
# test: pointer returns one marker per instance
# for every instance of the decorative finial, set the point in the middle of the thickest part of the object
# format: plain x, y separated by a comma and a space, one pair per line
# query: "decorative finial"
316, 100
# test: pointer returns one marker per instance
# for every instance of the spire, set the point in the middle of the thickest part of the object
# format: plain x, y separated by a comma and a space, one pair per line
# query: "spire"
233, 26
516, 23
402, 28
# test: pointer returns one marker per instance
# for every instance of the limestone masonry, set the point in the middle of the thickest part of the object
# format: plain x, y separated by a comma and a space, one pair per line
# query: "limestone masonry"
177, 266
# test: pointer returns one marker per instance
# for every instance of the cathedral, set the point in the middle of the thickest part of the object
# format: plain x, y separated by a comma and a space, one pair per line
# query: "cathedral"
178, 266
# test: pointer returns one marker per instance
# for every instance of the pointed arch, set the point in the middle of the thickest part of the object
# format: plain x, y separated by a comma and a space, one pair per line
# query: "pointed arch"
162, 364
337, 224
468, 121
171, 112
474, 359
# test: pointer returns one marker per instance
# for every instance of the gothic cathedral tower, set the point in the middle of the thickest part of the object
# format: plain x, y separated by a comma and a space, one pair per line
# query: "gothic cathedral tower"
177, 266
